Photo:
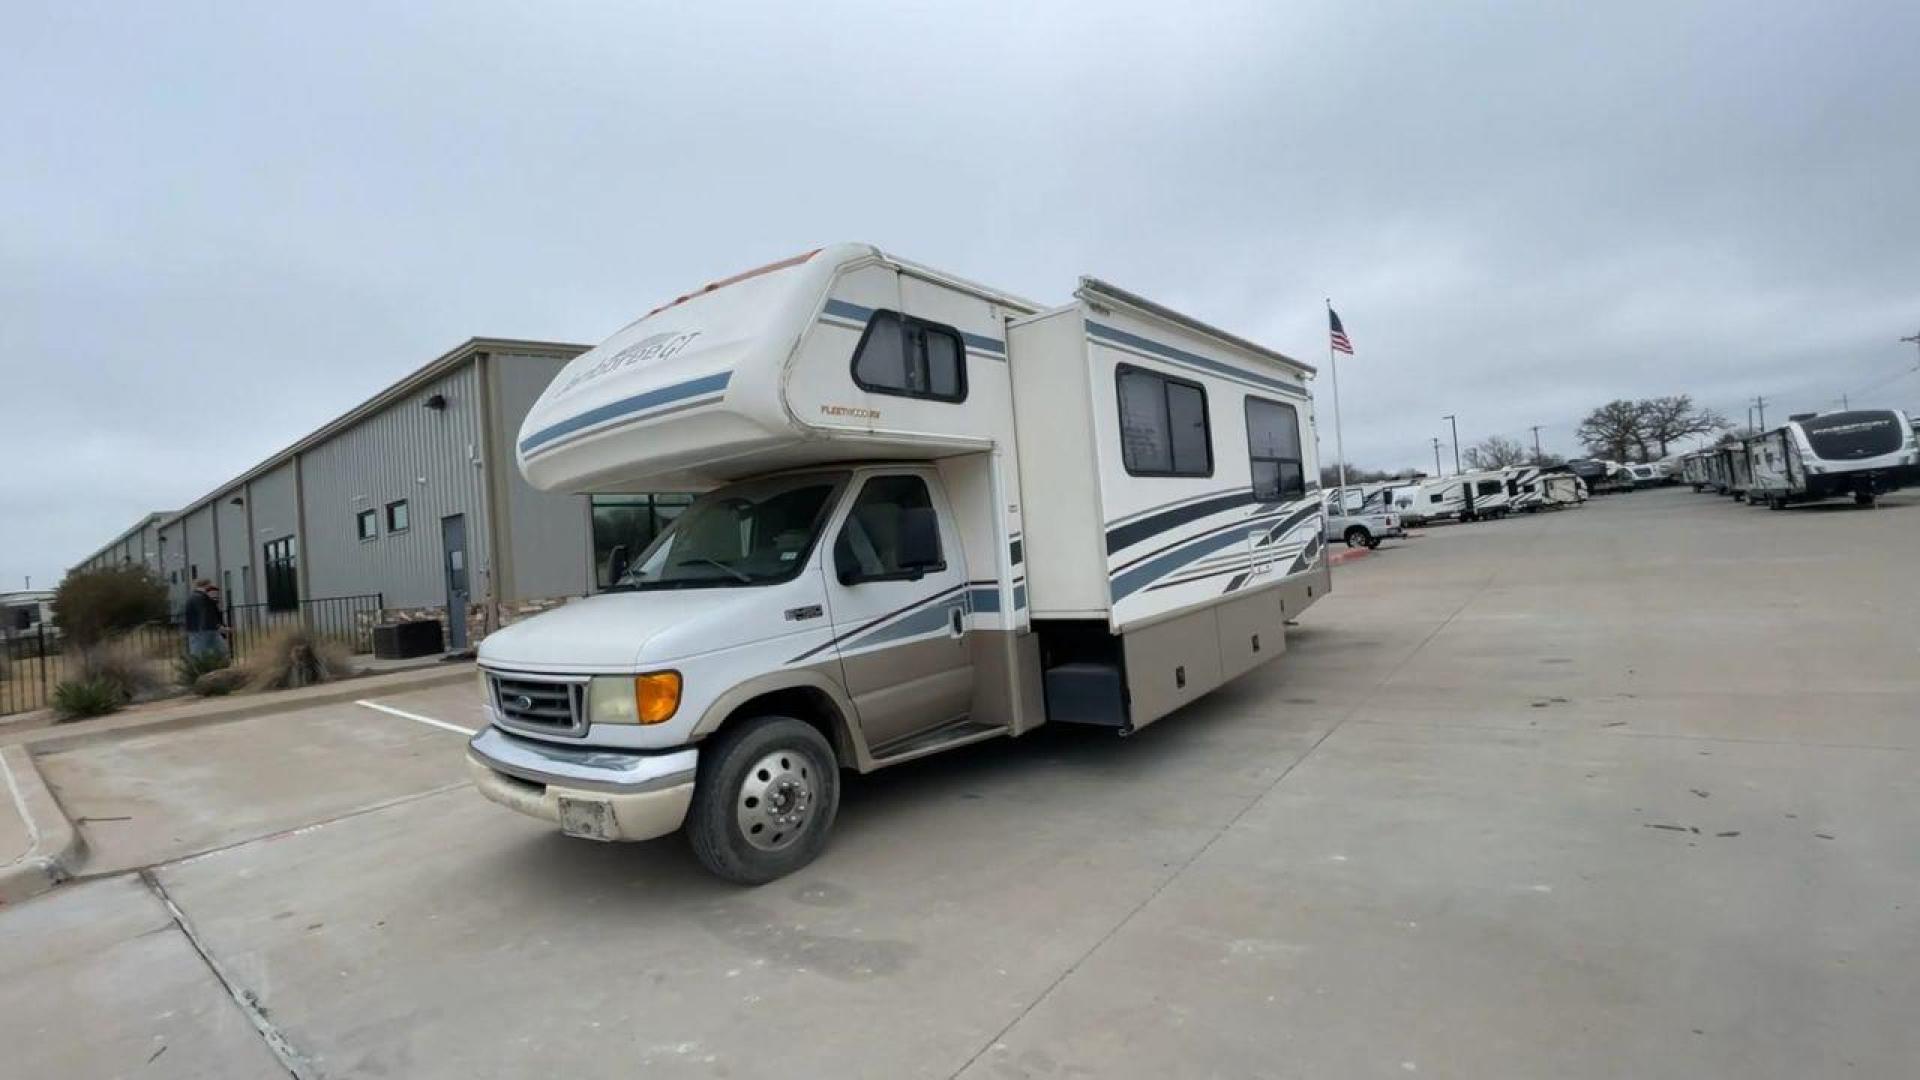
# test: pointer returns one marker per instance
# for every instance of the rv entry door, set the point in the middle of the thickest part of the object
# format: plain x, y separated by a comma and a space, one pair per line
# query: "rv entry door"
897, 592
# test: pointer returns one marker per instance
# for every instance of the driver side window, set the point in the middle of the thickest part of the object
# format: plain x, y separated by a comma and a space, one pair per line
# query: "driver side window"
891, 532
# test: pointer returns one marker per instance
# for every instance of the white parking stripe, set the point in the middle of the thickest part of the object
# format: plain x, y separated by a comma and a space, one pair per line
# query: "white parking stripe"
414, 716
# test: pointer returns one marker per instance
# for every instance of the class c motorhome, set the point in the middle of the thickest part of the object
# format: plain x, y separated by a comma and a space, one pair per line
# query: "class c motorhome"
933, 514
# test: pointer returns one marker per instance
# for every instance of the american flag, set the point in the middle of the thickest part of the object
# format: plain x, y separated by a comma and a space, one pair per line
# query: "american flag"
1340, 342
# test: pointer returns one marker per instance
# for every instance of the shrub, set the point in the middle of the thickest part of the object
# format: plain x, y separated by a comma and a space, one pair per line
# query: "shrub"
220, 682
296, 656
123, 663
191, 665
92, 604
77, 698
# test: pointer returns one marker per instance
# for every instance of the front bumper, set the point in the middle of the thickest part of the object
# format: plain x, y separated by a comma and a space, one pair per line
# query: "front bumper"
593, 793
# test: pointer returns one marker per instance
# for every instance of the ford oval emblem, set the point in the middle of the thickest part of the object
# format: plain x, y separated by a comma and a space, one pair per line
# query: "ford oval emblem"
523, 702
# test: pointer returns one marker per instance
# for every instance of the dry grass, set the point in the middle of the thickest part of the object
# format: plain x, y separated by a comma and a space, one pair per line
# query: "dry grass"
294, 657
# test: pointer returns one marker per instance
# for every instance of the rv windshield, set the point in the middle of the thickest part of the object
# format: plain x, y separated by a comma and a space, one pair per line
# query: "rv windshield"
754, 533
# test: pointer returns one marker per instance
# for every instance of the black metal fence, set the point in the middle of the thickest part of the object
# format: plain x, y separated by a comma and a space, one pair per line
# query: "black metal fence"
33, 662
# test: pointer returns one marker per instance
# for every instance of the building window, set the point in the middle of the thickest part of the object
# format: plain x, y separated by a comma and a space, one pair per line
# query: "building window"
397, 516
282, 573
1163, 424
1273, 450
910, 358
630, 522
368, 523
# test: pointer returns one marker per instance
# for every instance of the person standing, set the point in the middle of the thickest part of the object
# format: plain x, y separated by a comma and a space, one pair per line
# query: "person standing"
203, 621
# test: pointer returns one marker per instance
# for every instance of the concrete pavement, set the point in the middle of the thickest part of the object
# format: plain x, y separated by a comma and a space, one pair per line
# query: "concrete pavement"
1628, 790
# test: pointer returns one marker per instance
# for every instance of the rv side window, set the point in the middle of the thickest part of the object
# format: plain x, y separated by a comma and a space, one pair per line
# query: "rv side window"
1163, 424
910, 358
877, 536
1273, 451
1436, 497
1489, 487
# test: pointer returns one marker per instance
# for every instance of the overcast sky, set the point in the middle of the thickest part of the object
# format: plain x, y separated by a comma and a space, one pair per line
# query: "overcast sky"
222, 225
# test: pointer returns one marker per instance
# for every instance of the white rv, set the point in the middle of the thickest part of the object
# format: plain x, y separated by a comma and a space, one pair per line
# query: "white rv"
934, 514
1473, 496
1863, 453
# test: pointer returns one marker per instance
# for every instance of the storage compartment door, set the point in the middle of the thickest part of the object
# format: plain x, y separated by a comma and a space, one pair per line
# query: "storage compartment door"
1250, 633
1172, 663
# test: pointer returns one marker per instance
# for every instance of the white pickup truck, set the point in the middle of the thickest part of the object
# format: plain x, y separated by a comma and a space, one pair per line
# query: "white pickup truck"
933, 514
1363, 525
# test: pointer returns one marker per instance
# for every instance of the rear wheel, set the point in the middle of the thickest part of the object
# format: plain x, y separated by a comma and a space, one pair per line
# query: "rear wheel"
1864, 498
1359, 537
765, 799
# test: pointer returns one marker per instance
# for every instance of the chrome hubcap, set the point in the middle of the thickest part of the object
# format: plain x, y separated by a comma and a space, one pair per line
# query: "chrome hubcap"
775, 800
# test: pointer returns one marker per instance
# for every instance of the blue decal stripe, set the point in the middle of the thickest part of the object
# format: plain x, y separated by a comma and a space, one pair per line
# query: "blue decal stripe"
840, 309
1116, 336
638, 403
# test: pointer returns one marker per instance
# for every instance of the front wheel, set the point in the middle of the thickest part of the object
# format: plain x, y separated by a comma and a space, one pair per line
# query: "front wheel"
1358, 537
764, 801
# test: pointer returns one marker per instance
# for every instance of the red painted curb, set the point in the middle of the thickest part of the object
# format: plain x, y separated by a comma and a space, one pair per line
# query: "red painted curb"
1349, 555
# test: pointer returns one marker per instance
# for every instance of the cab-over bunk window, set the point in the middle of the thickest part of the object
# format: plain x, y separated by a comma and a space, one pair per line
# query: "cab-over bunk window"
1163, 424
910, 357
1273, 450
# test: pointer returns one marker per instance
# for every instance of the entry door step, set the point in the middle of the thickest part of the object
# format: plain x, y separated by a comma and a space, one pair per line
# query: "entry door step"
944, 737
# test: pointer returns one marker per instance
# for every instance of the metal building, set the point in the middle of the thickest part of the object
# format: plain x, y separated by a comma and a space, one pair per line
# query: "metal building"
409, 506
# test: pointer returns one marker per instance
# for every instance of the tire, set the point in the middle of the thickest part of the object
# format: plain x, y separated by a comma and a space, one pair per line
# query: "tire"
1776, 504
735, 825
1865, 498
1358, 537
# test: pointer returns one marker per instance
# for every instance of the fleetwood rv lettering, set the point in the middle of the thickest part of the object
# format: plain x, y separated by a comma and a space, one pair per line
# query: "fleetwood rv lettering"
934, 513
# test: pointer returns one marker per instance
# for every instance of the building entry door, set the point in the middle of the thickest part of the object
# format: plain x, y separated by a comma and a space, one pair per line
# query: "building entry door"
453, 542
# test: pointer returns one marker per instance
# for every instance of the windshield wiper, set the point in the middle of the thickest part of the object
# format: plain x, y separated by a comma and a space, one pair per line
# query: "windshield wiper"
743, 579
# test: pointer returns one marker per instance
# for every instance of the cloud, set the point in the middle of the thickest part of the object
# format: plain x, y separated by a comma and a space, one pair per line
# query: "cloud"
221, 226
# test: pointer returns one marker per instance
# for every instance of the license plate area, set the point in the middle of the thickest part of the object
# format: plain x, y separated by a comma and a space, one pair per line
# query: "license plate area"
590, 819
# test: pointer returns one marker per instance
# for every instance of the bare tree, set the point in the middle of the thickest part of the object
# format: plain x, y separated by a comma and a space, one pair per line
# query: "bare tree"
1496, 452
1667, 420
1615, 430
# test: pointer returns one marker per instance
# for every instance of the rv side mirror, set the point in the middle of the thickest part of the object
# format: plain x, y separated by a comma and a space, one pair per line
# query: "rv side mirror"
919, 540
845, 566
617, 564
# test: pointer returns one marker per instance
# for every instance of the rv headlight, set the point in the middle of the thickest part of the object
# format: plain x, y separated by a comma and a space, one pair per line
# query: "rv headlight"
642, 699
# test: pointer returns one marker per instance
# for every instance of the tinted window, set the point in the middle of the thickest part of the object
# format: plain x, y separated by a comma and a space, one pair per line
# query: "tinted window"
281, 568
397, 516
1163, 424
872, 536
1273, 450
369, 523
910, 358
1488, 487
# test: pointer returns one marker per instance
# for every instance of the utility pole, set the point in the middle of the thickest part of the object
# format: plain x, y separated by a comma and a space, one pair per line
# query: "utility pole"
1538, 457
1437, 470
1761, 404
1455, 423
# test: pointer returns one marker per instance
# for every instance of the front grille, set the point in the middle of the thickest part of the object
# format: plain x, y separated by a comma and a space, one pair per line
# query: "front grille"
537, 705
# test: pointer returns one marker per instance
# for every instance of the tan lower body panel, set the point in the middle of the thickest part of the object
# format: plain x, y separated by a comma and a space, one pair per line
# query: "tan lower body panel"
899, 690
1006, 679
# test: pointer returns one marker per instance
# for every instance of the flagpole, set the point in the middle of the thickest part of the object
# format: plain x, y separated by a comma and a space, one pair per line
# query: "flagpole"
1339, 448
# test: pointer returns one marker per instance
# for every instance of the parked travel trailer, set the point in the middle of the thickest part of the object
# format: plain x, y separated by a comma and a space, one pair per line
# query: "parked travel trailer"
1466, 497
933, 514
1735, 469
1645, 475
1525, 491
1601, 477
1861, 452
1693, 469
1563, 489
